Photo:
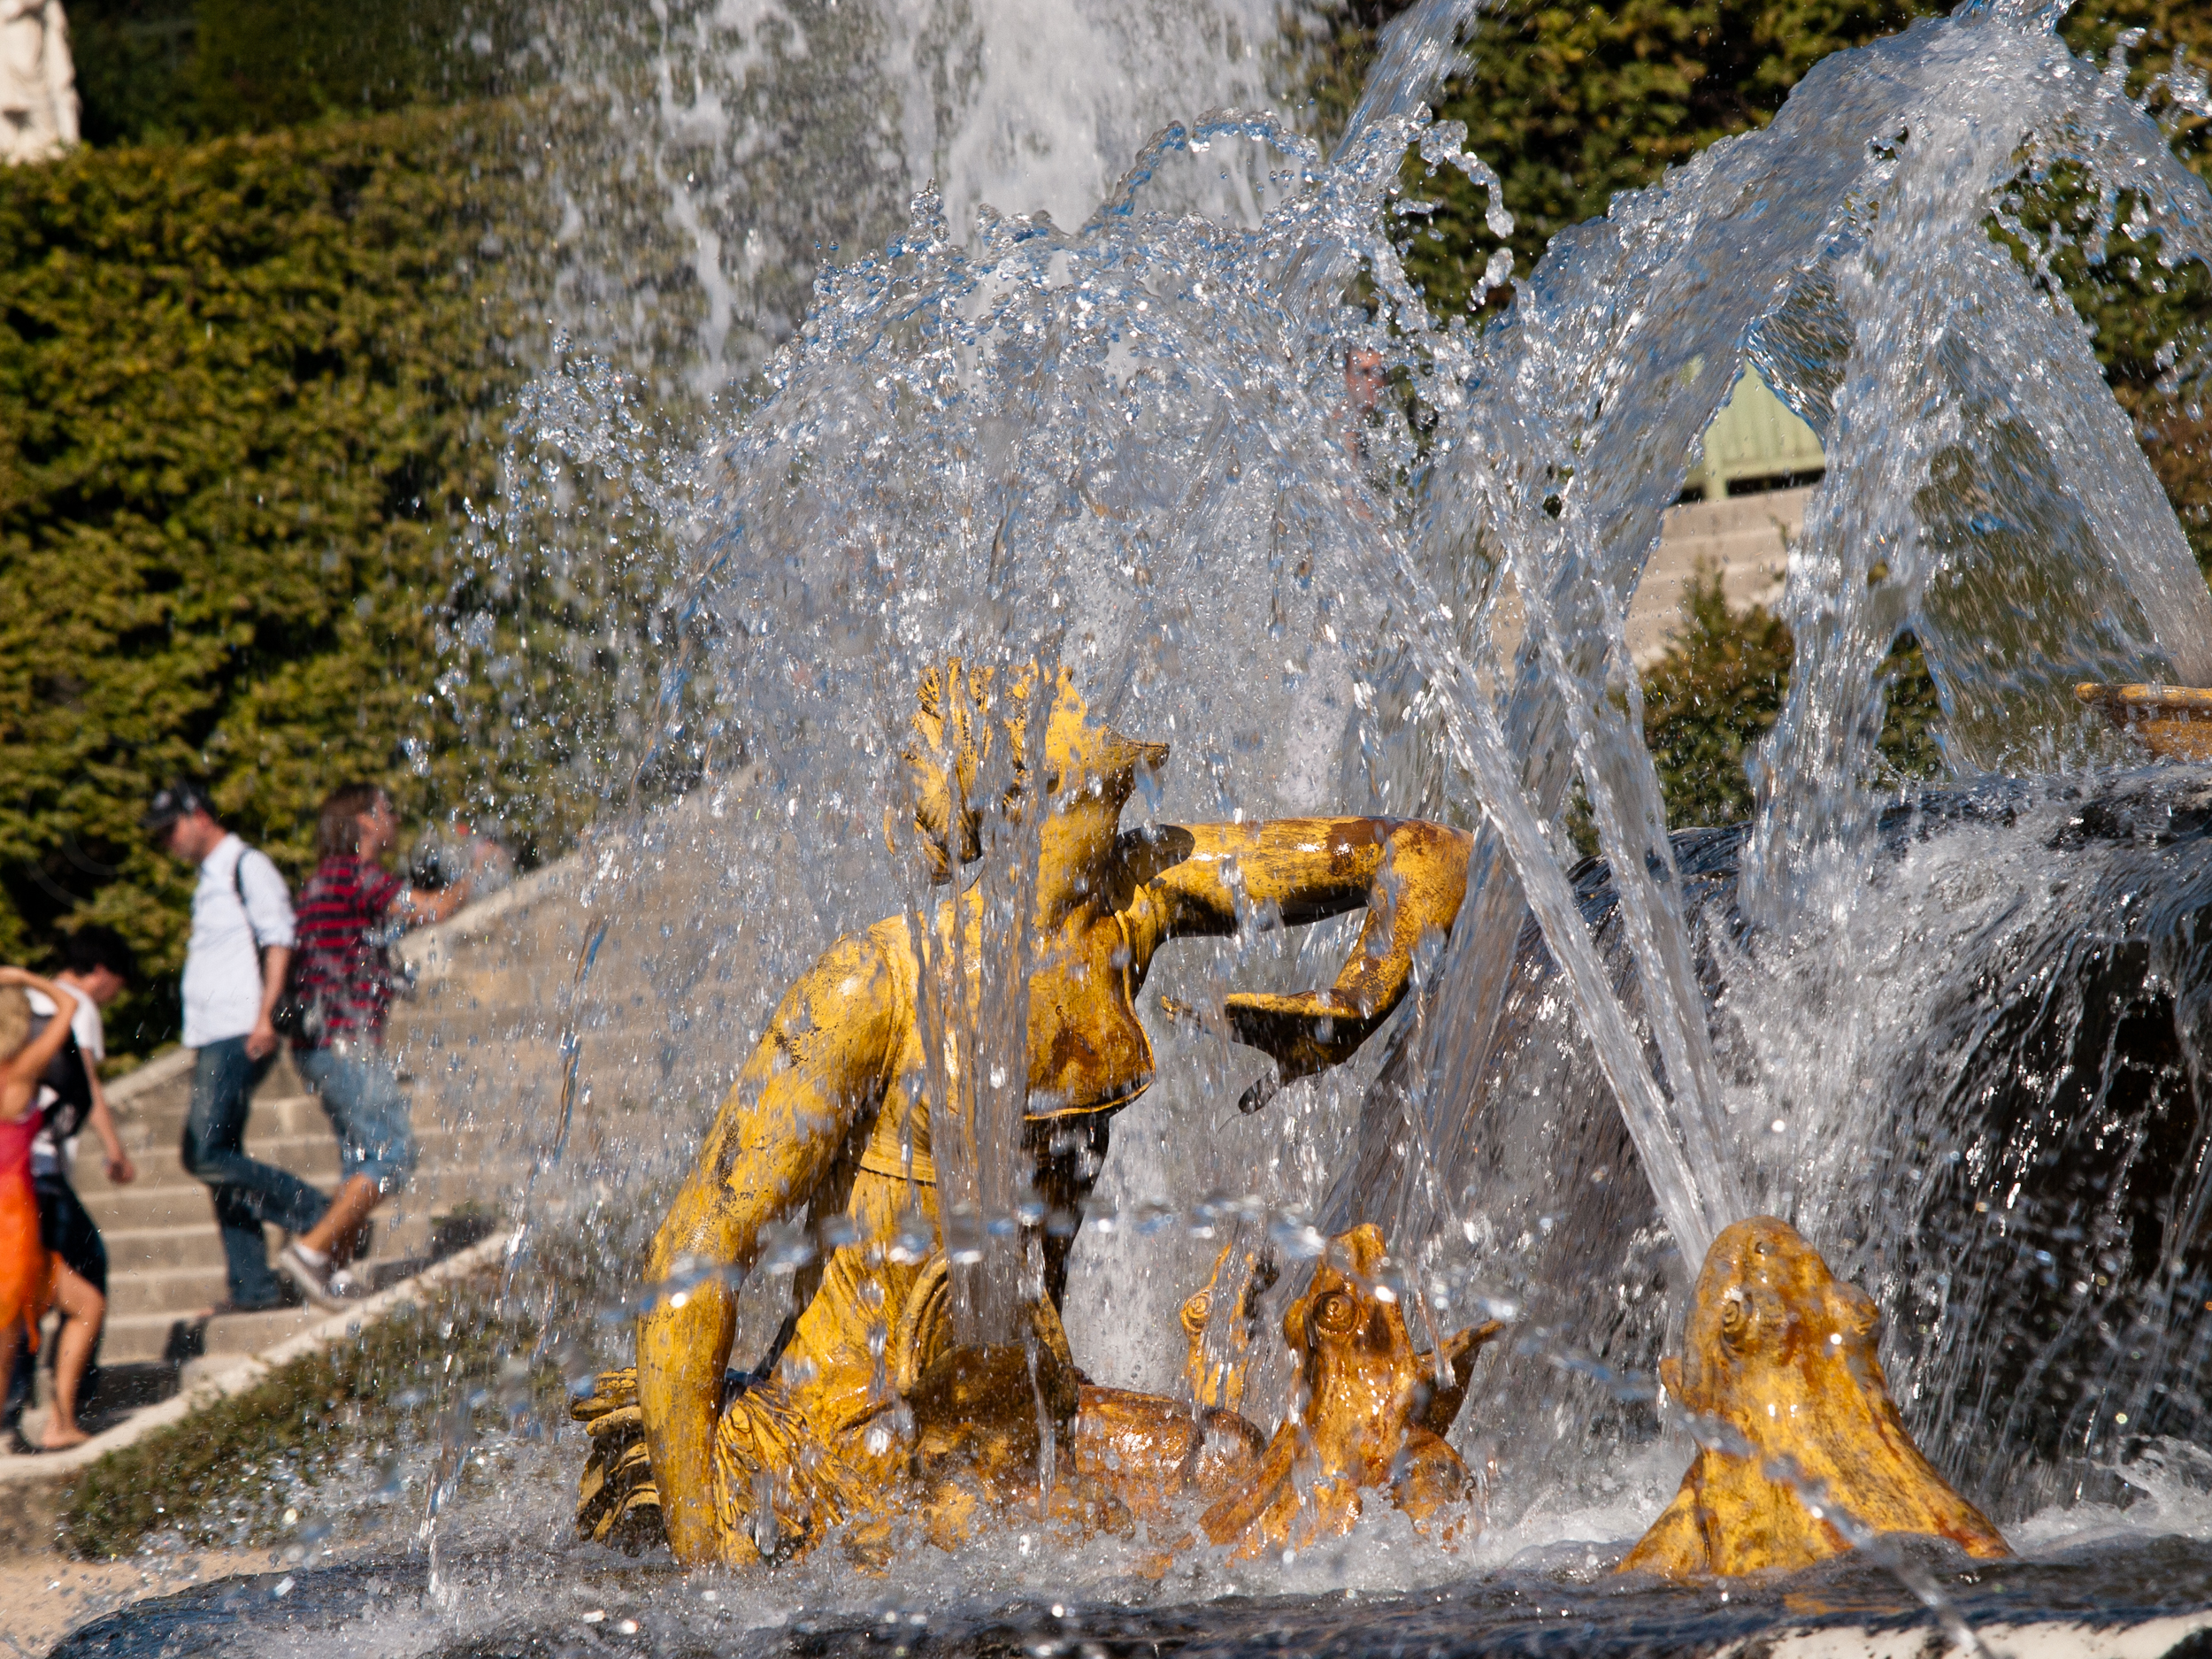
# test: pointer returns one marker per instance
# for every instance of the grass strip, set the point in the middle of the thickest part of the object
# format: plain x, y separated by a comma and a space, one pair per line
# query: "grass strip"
325, 1432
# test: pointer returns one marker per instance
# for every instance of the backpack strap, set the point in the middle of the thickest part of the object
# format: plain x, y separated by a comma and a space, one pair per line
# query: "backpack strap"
238, 886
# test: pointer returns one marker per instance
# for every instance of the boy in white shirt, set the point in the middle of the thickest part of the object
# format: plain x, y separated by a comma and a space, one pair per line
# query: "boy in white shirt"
235, 969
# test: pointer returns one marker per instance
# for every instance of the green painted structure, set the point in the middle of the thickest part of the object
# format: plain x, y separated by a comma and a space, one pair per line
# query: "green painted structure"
1754, 443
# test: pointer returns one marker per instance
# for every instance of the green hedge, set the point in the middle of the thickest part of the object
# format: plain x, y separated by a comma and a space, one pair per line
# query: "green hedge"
245, 389
174, 69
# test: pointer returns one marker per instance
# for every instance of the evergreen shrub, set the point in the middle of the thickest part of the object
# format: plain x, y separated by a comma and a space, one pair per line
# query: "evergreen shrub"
1719, 689
151, 71
246, 389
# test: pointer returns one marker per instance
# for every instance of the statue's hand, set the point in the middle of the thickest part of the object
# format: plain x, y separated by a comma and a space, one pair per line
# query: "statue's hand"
1212, 1023
1306, 1032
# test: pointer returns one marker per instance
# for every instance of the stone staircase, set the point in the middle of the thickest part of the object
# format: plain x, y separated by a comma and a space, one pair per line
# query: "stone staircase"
478, 1048
164, 1258
1747, 538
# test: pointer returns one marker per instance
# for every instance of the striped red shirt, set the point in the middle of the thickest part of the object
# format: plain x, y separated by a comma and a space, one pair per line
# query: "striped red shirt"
338, 968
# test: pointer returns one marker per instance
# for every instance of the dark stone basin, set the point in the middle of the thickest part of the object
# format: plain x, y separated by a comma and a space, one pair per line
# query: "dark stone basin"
2114, 1584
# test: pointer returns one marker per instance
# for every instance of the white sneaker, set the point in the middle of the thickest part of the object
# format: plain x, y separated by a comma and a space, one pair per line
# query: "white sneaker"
313, 1281
346, 1285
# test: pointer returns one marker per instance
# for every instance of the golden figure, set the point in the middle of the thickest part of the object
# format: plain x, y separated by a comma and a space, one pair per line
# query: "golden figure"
1152, 1455
826, 1119
1372, 1417
1779, 1360
1217, 1378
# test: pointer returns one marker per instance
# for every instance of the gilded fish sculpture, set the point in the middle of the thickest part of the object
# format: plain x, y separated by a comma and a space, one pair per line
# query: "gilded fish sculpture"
1803, 1451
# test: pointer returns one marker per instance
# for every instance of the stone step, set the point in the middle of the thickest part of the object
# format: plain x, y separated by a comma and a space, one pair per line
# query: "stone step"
186, 1204
191, 1334
1747, 537
171, 1290
138, 1249
147, 1338
164, 1085
154, 1249
137, 1286
159, 1123
313, 1154
235, 1334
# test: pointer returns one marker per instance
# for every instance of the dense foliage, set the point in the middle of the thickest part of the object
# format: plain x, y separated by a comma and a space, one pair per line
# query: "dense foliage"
1718, 689
150, 70
245, 390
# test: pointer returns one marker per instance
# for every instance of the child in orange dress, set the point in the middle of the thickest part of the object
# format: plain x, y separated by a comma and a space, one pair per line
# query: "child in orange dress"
26, 1273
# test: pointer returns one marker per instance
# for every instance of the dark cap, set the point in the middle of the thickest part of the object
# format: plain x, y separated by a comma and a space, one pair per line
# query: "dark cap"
180, 799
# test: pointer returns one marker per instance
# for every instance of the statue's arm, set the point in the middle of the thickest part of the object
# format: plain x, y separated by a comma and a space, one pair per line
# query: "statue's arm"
822, 1062
1409, 874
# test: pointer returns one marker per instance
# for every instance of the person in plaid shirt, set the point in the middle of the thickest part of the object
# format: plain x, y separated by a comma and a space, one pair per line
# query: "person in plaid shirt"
349, 913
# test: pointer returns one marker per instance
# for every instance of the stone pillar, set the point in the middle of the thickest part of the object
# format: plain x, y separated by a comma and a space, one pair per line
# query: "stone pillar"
38, 82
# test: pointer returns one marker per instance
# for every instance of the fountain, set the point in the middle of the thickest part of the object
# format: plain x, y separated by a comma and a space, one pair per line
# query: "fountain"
1952, 1039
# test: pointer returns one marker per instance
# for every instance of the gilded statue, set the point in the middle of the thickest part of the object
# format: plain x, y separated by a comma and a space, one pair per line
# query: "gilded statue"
827, 1119
871, 1415
1371, 1415
1796, 1426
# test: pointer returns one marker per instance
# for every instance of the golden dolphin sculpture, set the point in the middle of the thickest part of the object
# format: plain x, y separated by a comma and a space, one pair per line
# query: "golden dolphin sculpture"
1372, 1418
827, 1118
1778, 1363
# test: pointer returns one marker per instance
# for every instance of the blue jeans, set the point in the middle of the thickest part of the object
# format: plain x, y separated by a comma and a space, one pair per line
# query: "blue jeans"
368, 1113
247, 1192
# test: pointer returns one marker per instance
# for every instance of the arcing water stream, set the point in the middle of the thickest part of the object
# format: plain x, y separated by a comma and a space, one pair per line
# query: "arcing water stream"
1960, 1045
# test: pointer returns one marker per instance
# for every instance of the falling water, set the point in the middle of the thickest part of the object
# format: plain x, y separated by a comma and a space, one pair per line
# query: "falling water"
1982, 491
706, 160
1008, 427
1130, 446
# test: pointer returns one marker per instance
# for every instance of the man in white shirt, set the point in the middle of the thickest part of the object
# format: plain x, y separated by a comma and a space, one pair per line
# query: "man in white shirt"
234, 968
